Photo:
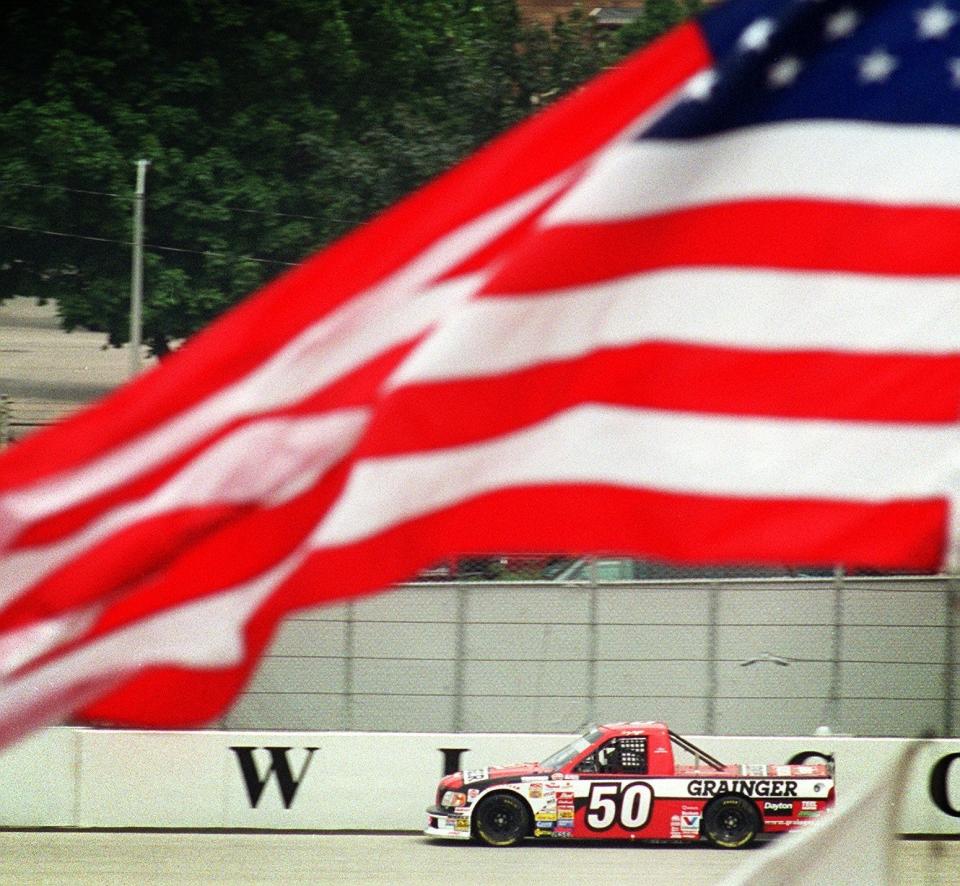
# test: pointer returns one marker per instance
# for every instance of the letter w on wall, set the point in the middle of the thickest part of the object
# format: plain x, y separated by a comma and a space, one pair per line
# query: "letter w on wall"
279, 766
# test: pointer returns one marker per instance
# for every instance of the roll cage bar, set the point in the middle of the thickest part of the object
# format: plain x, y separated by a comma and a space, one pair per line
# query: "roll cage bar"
693, 750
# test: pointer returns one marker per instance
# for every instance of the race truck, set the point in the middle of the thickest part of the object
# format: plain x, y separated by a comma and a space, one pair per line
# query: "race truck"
630, 781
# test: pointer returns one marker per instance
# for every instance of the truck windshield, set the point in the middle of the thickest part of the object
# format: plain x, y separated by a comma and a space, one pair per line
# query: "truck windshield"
566, 754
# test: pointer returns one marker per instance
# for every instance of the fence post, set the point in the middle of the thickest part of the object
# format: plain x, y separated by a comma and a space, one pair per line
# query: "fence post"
951, 601
836, 677
459, 661
349, 665
593, 646
713, 652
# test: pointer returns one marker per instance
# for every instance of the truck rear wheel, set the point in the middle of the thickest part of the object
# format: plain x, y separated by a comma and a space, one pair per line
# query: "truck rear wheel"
731, 821
804, 756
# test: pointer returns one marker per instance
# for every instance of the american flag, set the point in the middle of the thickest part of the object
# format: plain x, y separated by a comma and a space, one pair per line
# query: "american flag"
703, 310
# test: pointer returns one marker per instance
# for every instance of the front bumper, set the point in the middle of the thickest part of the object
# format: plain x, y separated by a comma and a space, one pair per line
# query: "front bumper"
447, 823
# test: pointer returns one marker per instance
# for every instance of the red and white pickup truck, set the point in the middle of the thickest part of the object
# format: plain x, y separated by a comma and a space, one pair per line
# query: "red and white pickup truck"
630, 781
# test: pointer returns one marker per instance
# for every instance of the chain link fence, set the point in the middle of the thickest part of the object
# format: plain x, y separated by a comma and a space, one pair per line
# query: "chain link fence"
600, 569
865, 655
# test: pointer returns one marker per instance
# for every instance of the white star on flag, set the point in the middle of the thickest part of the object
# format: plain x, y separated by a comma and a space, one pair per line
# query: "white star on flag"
953, 65
934, 22
756, 36
841, 23
784, 72
877, 66
699, 87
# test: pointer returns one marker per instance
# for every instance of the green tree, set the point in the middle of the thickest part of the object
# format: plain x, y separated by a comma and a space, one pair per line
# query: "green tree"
271, 127
657, 17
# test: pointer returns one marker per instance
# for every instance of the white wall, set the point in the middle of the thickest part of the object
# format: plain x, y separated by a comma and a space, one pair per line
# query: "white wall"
85, 778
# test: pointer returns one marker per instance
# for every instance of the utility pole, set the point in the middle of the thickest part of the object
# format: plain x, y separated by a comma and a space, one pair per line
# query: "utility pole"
136, 276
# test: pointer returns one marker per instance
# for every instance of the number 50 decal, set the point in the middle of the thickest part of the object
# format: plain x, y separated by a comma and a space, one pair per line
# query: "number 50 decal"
613, 803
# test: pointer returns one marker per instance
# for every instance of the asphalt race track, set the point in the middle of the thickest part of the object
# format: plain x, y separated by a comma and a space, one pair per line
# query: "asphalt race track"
172, 858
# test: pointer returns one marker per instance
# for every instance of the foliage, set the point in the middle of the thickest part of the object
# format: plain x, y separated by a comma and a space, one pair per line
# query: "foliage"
271, 128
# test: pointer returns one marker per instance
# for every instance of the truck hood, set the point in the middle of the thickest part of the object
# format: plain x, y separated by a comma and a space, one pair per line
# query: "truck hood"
469, 777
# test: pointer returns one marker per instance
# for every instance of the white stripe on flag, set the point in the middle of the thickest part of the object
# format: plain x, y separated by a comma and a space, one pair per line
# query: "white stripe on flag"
687, 453
354, 334
181, 636
233, 470
774, 310
852, 846
822, 160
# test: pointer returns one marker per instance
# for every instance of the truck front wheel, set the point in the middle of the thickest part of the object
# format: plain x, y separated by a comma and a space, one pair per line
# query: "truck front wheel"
502, 820
731, 821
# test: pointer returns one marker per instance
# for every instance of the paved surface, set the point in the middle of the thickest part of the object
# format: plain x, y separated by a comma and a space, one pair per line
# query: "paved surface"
398, 860
47, 373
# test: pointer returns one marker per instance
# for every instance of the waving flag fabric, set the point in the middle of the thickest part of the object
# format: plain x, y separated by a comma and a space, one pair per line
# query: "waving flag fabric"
706, 310
857, 843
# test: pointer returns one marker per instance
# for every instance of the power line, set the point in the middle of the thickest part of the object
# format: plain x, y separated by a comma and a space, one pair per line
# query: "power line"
157, 247
63, 234
62, 188
267, 261
285, 214
242, 209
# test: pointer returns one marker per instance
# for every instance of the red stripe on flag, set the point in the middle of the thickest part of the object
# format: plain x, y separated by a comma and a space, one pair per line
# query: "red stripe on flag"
885, 388
356, 388
787, 234
141, 570
125, 559
675, 527
689, 378
562, 518
201, 695
558, 519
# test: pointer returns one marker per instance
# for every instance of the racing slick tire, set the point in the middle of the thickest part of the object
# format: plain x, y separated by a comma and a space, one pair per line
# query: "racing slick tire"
805, 756
731, 821
501, 820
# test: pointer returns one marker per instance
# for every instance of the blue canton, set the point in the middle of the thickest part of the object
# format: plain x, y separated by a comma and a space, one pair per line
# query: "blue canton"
894, 61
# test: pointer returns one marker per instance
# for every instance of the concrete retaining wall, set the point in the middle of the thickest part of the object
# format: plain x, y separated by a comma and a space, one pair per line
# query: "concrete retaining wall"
87, 778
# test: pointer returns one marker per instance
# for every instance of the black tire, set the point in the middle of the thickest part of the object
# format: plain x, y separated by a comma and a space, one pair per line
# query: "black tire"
804, 756
731, 821
501, 820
